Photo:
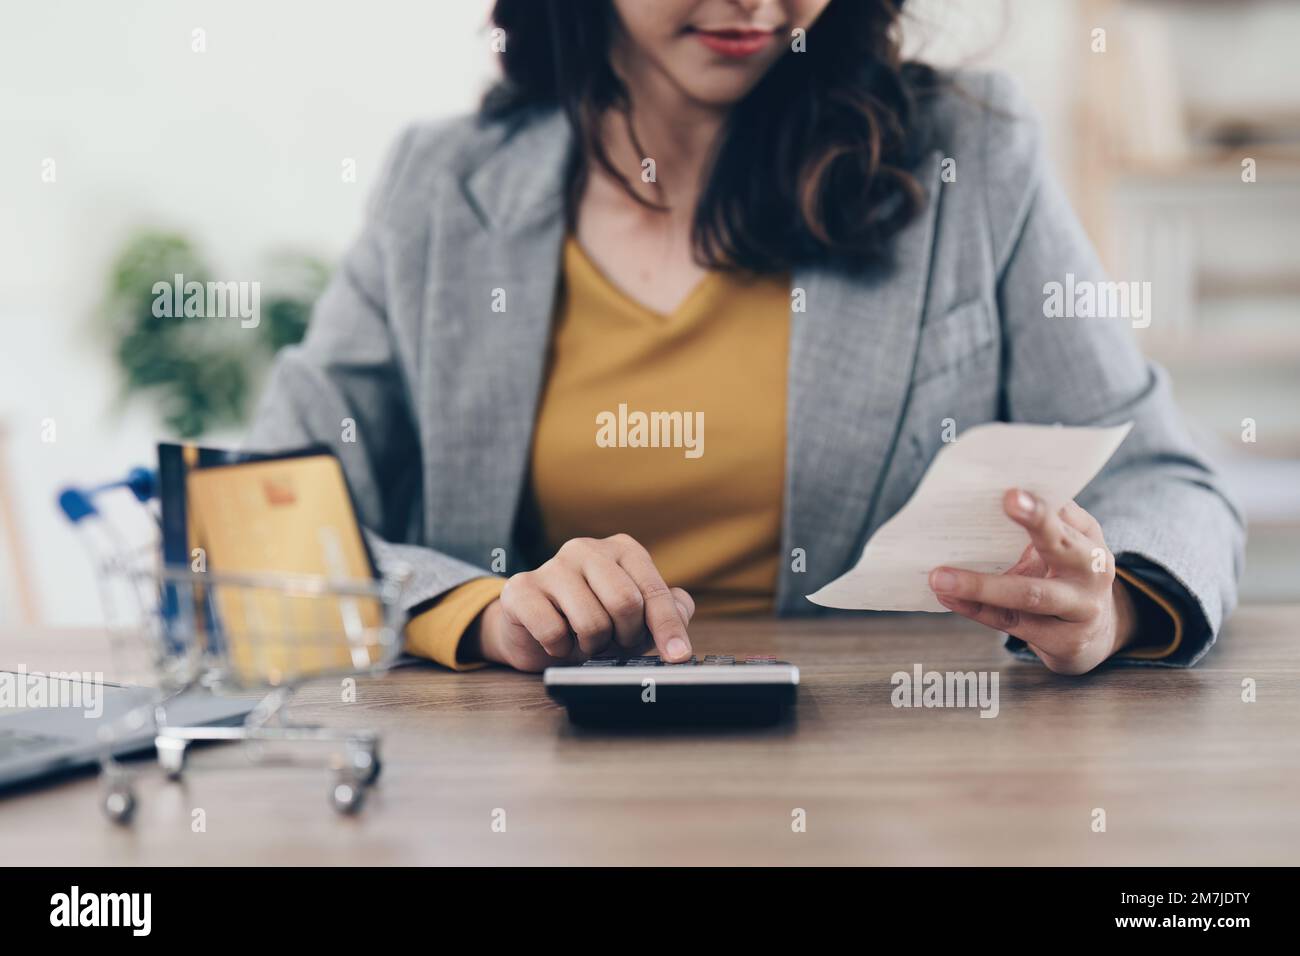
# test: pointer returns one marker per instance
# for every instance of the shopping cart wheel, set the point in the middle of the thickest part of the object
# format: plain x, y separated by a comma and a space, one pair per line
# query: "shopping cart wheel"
118, 802
363, 762
347, 795
171, 756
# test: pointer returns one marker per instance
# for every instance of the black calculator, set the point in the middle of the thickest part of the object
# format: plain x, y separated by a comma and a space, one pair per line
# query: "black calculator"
647, 690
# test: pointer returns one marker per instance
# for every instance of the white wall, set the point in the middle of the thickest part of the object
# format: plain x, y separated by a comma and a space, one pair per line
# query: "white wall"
1039, 43
241, 147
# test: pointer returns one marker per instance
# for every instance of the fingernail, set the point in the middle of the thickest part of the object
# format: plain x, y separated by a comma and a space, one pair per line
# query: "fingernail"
943, 580
1024, 503
678, 648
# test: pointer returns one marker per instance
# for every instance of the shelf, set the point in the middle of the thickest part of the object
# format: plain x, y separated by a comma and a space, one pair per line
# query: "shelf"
1279, 170
1262, 285
1225, 349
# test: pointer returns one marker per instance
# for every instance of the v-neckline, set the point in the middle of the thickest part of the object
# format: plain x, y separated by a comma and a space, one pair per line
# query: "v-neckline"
686, 307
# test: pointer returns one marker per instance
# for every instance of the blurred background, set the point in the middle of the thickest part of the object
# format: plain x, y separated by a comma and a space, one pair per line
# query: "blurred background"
237, 140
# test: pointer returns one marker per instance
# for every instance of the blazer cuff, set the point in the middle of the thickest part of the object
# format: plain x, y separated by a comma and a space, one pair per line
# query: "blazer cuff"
1161, 612
436, 632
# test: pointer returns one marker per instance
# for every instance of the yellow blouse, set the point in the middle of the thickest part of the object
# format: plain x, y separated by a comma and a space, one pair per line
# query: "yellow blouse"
705, 384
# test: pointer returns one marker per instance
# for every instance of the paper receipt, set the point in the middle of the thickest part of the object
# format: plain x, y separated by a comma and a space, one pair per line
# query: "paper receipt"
955, 516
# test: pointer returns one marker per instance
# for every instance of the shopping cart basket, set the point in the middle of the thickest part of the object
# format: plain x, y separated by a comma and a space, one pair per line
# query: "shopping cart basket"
185, 628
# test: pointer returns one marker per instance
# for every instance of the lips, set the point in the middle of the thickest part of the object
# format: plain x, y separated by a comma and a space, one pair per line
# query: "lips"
735, 43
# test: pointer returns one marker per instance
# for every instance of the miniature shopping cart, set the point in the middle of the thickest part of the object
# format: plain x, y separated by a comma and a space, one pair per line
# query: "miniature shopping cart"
179, 629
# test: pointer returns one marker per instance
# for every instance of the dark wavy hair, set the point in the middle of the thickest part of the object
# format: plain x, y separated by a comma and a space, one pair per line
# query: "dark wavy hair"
813, 164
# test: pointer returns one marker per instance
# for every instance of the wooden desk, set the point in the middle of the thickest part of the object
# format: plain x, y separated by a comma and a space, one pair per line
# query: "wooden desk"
1186, 772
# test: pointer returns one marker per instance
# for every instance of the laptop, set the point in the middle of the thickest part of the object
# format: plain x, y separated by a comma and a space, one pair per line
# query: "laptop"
60, 734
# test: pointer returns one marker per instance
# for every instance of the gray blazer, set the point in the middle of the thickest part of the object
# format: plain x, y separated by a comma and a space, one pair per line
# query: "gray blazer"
443, 391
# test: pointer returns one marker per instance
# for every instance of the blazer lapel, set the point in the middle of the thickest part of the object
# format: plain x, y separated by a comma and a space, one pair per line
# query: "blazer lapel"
493, 269
851, 358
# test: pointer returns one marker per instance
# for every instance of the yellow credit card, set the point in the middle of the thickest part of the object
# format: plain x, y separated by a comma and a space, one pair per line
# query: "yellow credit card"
278, 518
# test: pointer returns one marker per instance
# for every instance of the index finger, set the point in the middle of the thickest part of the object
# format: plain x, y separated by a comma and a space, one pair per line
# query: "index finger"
1082, 521
662, 618
1061, 545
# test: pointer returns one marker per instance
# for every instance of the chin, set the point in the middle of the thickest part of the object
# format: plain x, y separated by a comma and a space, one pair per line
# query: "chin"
723, 92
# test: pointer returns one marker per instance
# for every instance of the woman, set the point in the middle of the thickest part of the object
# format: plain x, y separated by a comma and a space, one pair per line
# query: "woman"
747, 215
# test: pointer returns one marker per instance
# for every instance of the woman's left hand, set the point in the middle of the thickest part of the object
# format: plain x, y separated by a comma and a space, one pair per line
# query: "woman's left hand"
1062, 597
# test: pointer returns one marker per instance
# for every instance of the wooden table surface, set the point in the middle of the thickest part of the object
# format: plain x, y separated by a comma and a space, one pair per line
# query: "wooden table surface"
1186, 772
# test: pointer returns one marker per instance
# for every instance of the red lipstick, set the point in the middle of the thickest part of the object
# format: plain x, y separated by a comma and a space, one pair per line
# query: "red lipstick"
736, 44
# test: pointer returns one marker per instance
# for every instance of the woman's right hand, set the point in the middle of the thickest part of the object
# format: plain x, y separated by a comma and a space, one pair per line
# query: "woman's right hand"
593, 594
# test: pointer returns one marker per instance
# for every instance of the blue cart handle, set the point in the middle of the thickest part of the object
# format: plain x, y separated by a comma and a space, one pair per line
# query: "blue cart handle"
78, 503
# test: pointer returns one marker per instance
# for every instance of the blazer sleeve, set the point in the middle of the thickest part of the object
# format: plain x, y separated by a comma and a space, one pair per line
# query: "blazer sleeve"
345, 387
1162, 507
